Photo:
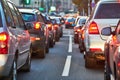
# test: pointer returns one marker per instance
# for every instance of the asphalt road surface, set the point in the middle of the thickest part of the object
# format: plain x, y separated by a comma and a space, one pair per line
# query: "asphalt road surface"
63, 62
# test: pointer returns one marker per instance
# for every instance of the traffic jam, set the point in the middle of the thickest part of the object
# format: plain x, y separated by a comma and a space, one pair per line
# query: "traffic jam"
60, 40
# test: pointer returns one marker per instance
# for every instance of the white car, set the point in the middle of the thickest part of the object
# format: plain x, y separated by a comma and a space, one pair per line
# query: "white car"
106, 13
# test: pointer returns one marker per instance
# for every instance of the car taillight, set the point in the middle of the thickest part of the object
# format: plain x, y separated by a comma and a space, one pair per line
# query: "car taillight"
56, 26
49, 26
37, 25
95, 49
3, 43
66, 22
78, 30
93, 28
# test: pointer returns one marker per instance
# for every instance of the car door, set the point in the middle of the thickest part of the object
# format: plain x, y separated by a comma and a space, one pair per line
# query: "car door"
114, 44
21, 36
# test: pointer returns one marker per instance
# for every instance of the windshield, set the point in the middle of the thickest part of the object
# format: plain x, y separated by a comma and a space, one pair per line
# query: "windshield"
107, 11
81, 21
1, 20
28, 17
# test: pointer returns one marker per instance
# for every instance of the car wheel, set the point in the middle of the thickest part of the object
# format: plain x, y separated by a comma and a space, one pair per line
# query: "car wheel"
57, 38
47, 47
42, 53
13, 73
27, 65
51, 42
106, 72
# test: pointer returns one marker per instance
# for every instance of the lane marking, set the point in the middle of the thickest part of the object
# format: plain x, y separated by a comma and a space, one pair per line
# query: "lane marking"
70, 44
67, 66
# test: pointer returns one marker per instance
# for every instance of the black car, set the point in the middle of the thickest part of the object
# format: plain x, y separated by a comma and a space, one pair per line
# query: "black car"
50, 29
38, 31
78, 26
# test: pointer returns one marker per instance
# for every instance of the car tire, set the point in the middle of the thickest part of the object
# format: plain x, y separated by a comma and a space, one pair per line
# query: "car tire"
13, 73
106, 72
47, 47
51, 43
27, 65
57, 38
42, 53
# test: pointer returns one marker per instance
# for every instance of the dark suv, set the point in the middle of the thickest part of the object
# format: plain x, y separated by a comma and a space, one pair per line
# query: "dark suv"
15, 44
38, 31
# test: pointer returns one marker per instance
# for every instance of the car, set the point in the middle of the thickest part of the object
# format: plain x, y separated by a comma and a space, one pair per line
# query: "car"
50, 29
106, 12
77, 29
57, 27
39, 34
15, 44
69, 22
112, 52
81, 38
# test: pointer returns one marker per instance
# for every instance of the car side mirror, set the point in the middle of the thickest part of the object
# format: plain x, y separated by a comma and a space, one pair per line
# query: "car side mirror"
107, 31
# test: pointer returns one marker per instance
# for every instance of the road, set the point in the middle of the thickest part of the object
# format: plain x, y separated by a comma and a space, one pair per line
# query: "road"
63, 62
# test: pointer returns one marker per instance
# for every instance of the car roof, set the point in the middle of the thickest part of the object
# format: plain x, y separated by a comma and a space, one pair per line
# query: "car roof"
33, 11
108, 1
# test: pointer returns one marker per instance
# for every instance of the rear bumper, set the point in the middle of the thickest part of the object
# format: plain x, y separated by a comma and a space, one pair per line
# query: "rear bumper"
38, 45
96, 56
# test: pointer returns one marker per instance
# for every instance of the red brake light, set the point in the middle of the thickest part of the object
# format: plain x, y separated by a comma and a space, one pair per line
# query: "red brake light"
93, 28
3, 43
49, 25
78, 30
37, 25
66, 22
95, 49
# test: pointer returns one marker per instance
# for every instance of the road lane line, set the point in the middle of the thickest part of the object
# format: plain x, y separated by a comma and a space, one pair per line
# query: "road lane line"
67, 66
70, 44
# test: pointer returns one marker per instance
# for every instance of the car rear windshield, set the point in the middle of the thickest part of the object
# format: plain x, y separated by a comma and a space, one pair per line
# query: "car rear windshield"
71, 20
108, 11
28, 17
81, 21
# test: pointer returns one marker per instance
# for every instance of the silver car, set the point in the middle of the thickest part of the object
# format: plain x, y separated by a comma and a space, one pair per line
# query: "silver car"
15, 44
106, 13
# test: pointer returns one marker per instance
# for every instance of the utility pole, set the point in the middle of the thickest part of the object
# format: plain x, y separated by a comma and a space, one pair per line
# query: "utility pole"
88, 7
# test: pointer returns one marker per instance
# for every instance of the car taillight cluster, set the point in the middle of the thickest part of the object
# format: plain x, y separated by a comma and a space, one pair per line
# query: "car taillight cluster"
4, 43
56, 26
49, 26
93, 28
67, 22
37, 25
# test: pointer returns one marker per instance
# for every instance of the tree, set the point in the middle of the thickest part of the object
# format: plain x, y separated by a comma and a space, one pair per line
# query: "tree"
82, 5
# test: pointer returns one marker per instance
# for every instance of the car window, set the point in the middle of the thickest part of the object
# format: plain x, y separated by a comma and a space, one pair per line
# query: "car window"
8, 15
27, 17
40, 18
1, 20
81, 21
22, 25
15, 16
107, 11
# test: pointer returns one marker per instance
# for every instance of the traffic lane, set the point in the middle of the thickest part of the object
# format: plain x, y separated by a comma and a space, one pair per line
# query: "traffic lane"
51, 67
78, 70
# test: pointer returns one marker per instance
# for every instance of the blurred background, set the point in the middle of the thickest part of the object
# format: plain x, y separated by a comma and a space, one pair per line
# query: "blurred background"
81, 7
